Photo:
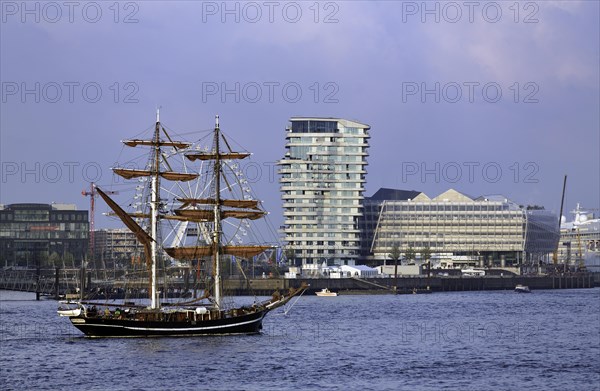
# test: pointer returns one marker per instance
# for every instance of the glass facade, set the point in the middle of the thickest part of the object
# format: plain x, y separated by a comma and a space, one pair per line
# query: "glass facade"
322, 182
542, 233
34, 235
490, 230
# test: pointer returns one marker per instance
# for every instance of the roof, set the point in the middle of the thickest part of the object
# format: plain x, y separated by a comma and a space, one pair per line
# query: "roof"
362, 268
394, 194
454, 196
344, 122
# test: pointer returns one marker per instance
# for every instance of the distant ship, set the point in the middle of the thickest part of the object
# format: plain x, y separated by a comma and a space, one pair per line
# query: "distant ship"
177, 207
580, 240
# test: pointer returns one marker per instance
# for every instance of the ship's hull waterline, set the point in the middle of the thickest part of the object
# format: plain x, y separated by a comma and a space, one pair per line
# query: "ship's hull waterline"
105, 327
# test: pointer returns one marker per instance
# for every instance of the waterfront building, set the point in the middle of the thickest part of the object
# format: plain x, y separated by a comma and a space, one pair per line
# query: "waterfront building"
371, 210
460, 230
116, 247
322, 182
43, 235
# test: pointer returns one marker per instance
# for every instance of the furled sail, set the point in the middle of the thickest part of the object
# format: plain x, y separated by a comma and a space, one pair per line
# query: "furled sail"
212, 155
176, 144
128, 173
140, 215
178, 176
209, 214
195, 252
248, 204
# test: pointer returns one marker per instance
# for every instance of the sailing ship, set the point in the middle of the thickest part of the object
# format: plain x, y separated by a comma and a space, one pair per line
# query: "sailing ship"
580, 240
204, 315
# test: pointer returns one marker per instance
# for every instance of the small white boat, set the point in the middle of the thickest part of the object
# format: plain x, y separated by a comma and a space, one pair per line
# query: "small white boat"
68, 308
522, 289
326, 292
69, 312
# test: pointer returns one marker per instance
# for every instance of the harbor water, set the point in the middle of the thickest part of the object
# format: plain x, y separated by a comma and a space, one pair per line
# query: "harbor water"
485, 340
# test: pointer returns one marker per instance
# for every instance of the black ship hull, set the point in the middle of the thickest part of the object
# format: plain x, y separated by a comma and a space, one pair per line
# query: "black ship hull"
109, 327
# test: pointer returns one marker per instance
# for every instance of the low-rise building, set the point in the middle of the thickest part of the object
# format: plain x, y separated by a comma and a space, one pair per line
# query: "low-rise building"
460, 231
43, 235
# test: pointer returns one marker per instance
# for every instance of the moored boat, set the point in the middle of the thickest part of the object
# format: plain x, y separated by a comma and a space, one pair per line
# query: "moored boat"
69, 311
326, 292
522, 289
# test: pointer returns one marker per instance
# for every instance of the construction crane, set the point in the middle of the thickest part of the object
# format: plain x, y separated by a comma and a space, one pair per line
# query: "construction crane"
92, 193
562, 202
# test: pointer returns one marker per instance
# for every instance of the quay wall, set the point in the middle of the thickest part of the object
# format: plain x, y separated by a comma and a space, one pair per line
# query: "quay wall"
418, 284
54, 285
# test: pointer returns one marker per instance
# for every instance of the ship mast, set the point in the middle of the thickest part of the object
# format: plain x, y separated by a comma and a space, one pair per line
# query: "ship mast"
155, 198
217, 212
154, 173
214, 209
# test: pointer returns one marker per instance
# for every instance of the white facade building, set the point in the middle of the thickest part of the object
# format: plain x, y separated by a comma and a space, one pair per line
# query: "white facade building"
322, 183
463, 231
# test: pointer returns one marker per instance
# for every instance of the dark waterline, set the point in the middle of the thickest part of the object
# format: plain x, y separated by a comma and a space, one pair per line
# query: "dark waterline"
548, 340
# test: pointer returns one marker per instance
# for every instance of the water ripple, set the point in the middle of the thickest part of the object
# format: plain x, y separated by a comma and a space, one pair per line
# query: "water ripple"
549, 340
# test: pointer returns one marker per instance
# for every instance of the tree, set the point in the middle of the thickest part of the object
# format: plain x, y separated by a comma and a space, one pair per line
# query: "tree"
290, 255
395, 255
410, 254
425, 255
55, 259
274, 264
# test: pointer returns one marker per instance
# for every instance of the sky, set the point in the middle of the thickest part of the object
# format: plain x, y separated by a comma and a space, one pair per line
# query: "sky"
483, 97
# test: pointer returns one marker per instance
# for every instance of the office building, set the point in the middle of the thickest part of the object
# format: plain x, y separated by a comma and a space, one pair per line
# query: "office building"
461, 230
42, 235
371, 211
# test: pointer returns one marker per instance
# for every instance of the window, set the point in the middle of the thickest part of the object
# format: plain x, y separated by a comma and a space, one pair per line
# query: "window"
314, 126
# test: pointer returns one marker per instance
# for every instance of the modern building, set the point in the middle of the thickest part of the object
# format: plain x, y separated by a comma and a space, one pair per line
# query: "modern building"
371, 211
322, 182
43, 235
116, 247
460, 230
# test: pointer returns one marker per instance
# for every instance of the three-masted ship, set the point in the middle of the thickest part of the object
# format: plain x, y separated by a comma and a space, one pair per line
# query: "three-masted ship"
203, 315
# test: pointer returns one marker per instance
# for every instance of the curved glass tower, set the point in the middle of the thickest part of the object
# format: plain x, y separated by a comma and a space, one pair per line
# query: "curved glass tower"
322, 183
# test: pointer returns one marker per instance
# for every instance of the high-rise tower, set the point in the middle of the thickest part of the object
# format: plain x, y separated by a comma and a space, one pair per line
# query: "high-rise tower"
322, 183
